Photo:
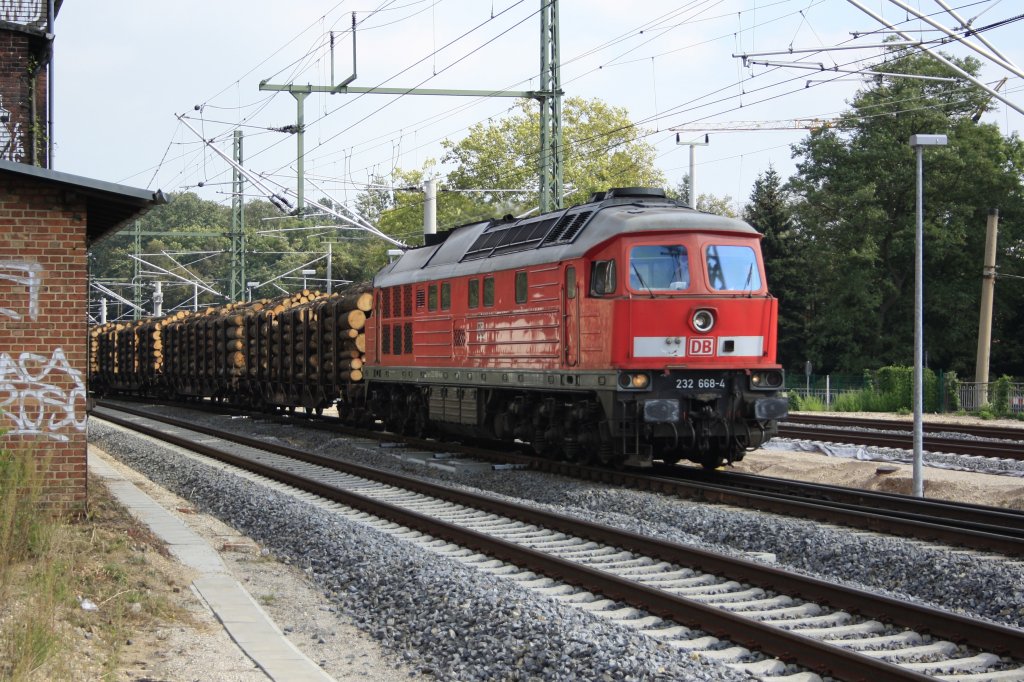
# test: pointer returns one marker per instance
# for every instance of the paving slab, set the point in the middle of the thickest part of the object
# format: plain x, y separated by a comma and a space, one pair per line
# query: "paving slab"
243, 619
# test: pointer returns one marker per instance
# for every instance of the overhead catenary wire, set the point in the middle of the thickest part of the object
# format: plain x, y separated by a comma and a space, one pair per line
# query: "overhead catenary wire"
667, 114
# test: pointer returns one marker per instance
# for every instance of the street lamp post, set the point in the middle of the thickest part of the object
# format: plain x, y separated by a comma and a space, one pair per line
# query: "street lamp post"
919, 142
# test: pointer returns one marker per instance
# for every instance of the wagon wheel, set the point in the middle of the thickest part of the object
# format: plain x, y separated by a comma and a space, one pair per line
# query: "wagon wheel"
417, 421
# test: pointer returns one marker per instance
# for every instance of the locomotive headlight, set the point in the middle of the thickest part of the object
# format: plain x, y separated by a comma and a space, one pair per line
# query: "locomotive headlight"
703, 321
636, 381
765, 380
640, 381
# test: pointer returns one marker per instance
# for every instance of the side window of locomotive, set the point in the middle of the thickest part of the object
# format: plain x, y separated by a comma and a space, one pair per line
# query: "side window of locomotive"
521, 288
602, 278
570, 282
659, 268
474, 293
432, 298
446, 295
732, 268
488, 292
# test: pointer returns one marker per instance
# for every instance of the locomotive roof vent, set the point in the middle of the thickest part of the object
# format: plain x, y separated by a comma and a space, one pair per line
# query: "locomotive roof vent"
635, 192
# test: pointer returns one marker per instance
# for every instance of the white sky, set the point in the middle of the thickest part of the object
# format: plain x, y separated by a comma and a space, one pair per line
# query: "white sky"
124, 68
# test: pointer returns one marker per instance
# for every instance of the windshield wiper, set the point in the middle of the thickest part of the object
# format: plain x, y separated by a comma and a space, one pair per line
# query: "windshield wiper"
642, 282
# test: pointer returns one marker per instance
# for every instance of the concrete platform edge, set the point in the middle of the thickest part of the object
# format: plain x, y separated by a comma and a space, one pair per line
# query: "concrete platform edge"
243, 619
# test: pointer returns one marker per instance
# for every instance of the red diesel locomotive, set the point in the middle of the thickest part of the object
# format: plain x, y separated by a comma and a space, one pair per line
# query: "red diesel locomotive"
621, 331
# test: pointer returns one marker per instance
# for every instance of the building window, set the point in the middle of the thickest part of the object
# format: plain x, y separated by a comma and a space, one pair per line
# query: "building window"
488, 292
446, 295
474, 293
521, 289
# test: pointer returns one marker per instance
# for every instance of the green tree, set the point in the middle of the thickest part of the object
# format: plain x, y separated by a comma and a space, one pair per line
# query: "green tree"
856, 187
603, 149
770, 211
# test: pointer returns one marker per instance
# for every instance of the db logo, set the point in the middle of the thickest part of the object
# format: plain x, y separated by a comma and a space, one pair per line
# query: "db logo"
701, 346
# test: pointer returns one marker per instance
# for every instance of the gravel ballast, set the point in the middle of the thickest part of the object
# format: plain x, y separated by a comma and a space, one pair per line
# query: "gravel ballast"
446, 619
453, 621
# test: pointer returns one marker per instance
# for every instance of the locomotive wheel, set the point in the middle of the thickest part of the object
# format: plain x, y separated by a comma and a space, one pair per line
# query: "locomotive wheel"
713, 460
416, 422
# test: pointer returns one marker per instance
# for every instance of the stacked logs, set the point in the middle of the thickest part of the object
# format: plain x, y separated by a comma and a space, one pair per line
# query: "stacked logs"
293, 349
341, 350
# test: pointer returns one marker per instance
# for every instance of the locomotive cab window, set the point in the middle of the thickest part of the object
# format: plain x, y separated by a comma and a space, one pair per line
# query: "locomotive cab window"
732, 268
446, 295
432, 298
521, 288
474, 293
659, 268
570, 282
602, 278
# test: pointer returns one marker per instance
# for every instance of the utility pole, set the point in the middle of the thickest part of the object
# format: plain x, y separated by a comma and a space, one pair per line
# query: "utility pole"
549, 96
137, 272
237, 285
429, 207
551, 188
988, 289
693, 167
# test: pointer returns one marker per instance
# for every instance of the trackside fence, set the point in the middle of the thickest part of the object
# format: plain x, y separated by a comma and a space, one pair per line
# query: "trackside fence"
943, 392
1007, 397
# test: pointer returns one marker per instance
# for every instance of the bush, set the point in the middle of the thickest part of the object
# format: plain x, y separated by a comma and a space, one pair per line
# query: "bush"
999, 394
807, 403
952, 392
849, 401
895, 388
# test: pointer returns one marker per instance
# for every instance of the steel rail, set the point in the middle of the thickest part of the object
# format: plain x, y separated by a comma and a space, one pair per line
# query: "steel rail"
984, 534
975, 517
957, 446
980, 430
816, 655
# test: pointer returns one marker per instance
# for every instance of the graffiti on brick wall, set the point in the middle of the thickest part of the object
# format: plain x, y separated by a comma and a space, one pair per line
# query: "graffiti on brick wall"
28, 275
12, 142
41, 395
23, 11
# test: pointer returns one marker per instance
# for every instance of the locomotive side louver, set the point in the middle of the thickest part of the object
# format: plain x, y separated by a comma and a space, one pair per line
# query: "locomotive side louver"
566, 229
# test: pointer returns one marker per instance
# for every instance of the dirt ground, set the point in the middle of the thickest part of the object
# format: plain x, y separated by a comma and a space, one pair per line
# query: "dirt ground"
943, 484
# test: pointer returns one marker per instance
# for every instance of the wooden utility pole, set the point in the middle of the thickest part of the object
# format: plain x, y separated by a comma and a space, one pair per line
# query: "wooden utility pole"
988, 288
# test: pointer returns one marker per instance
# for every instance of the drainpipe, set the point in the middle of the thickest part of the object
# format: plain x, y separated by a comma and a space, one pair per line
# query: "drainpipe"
49, 85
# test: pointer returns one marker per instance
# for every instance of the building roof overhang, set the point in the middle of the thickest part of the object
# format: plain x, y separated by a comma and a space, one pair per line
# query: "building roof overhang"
108, 205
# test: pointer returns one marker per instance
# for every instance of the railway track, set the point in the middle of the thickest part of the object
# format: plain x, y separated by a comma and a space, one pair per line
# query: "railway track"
659, 588
895, 434
969, 526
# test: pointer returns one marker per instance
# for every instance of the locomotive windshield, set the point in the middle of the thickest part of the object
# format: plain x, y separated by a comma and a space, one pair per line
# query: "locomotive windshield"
659, 268
733, 268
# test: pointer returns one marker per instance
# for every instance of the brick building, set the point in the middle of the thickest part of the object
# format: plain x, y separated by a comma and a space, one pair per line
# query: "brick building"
26, 47
48, 220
